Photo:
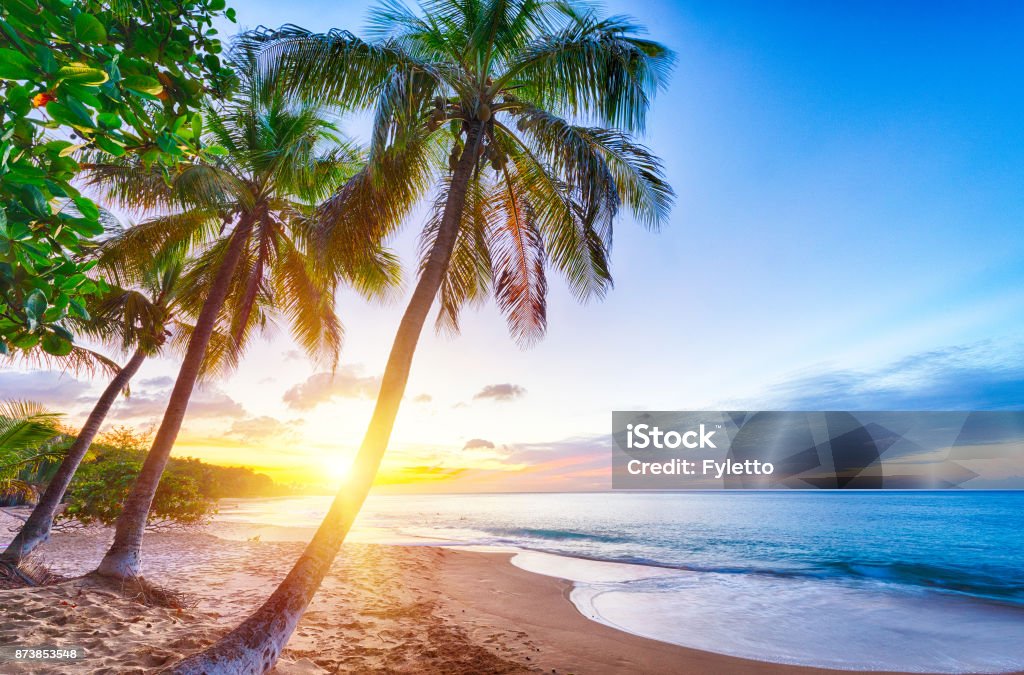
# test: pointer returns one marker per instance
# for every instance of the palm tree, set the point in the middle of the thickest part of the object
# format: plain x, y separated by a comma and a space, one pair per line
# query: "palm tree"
27, 431
519, 114
130, 320
244, 210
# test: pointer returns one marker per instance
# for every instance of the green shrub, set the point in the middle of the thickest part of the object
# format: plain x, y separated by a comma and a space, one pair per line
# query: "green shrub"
101, 486
187, 494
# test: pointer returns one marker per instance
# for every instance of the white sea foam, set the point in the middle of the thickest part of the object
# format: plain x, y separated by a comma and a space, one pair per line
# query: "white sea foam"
810, 622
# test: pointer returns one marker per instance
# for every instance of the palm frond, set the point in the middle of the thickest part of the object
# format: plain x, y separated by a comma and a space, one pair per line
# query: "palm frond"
24, 425
519, 258
467, 280
591, 66
159, 240
80, 362
335, 66
306, 299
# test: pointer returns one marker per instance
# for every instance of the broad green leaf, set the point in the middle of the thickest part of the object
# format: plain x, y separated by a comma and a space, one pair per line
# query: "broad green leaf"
109, 120
109, 145
143, 84
87, 227
78, 309
71, 149
19, 99
35, 304
15, 66
73, 116
73, 281
25, 340
82, 74
89, 30
35, 200
87, 208
45, 59
56, 345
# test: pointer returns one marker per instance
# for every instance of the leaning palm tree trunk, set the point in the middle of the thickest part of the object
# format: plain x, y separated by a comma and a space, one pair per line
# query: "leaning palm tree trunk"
255, 645
36, 529
123, 560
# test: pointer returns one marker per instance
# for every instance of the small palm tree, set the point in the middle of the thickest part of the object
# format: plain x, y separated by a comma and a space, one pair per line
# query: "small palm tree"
243, 211
27, 431
518, 114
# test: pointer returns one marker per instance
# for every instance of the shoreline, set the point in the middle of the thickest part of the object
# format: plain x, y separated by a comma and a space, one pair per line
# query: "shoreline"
382, 608
490, 594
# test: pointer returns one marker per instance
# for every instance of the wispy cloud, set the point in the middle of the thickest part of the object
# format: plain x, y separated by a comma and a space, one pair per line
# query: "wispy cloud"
475, 443
162, 382
254, 429
52, 389
980, 376
322, 387
150, 402
500, 392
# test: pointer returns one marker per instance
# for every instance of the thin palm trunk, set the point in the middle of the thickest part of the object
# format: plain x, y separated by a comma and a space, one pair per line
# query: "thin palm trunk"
123, 560
257, 643
36, 529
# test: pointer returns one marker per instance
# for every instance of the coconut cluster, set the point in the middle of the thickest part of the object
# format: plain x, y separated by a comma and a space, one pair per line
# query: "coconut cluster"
487, 150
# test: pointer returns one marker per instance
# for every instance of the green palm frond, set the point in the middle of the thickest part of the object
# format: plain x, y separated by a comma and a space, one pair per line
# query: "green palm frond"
159, 240
80, 361
599, 160
369, 207
307, 302
591, 66
337, 65
26, 429
468, 278
284, 158
559, 91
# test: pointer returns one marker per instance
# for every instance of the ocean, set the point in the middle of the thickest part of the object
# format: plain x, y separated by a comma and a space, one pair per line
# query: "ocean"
904, 581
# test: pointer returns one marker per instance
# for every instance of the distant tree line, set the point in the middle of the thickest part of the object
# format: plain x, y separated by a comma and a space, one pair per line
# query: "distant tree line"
187, 495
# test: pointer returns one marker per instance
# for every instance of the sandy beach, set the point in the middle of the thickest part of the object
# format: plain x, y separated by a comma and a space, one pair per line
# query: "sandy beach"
383, 609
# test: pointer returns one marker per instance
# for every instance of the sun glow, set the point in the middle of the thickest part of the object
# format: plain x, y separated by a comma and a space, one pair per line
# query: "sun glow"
337, 468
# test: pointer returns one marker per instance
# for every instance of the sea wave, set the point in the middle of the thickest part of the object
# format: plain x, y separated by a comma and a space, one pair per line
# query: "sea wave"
997, 585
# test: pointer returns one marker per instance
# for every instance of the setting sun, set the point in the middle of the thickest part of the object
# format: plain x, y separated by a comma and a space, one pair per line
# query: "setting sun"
337, 468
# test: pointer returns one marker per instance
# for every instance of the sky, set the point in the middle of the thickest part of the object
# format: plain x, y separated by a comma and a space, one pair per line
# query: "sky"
846, 236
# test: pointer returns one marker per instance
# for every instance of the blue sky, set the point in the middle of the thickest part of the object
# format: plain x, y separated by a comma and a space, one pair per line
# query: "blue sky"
847, 235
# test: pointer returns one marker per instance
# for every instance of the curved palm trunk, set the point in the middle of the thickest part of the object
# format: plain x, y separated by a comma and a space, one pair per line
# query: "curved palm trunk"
123, 559
36, 529
256, 644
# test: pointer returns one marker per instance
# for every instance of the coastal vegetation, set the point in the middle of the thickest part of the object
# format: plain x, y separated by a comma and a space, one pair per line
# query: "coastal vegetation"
33, 445
513, 123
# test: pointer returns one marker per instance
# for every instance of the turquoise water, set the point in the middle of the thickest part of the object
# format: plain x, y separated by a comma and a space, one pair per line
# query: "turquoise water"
908, 581
958, 542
